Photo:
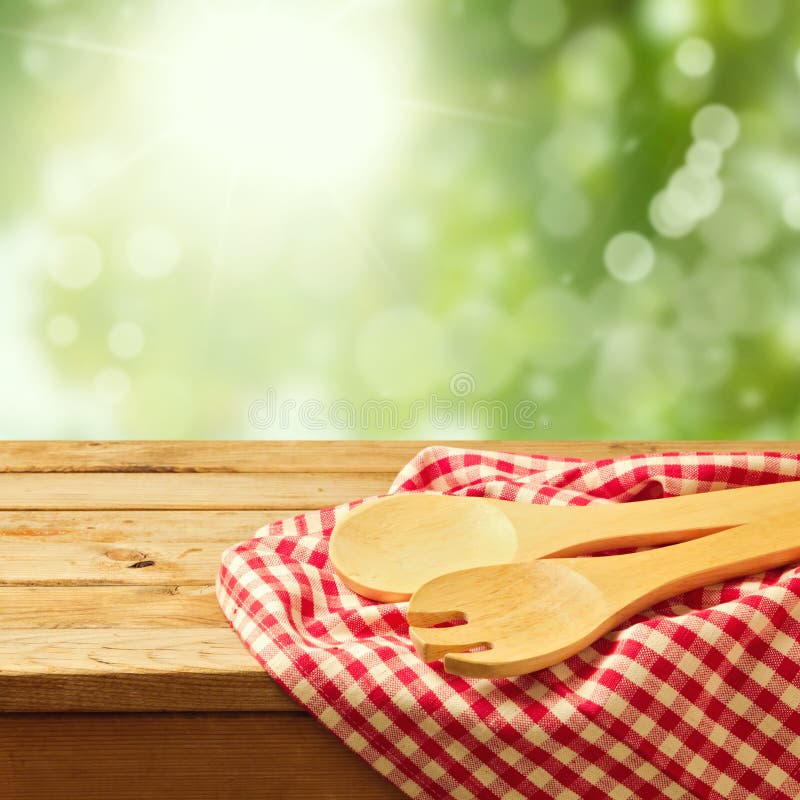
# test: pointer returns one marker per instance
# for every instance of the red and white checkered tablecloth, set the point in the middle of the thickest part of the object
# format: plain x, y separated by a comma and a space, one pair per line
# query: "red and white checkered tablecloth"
696, 698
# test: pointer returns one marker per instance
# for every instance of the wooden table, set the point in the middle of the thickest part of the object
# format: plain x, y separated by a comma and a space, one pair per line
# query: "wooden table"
119, 676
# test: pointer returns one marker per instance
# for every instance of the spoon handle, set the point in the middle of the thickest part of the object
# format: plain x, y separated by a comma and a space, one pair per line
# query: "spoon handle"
675, 519
655, 575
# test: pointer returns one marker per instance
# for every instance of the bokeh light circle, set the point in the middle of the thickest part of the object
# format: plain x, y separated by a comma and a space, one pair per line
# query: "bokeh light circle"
595, 66
694, 57
704, 157
629, 257
668, 19
668, 217
699, 195
716, 123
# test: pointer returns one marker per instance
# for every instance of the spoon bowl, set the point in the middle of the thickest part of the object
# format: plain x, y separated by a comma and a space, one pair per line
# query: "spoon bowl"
386, 548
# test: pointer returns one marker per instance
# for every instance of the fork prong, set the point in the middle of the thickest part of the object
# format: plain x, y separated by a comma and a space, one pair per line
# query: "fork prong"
473, 665
433, 643
421, 618
503, 661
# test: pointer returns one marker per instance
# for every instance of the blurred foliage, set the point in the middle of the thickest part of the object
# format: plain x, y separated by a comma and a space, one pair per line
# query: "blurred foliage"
594, 208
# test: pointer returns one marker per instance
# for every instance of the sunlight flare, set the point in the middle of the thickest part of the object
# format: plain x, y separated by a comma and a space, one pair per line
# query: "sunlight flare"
298, 100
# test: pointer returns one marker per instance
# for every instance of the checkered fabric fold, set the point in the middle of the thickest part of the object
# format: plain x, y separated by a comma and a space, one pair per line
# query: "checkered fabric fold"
695, 698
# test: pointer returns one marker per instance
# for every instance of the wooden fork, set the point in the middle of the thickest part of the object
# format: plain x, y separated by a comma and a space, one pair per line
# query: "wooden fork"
528, 616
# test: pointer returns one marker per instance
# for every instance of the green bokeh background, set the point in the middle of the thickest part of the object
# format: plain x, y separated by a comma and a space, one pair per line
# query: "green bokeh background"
471, 268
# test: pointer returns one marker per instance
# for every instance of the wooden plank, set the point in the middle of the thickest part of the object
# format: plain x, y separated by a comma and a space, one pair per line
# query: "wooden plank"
199, 456
130, 669
59, 607
124, 650
307, 456
102, 547
130, 692
181, 756
114, 527
126, 491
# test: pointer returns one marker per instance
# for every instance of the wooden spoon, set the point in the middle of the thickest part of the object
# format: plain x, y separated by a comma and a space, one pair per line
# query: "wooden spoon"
387, 548
533, 615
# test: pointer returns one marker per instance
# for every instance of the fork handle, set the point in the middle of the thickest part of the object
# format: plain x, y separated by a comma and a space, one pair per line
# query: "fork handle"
655, 575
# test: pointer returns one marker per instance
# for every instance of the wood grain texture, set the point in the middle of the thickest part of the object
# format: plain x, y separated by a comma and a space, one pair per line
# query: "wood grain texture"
71, 571
112, 526
280, 756
79, 669
288, 456
133, 692
56, 607
82, 629
103, 547
188, 456
123, 650
125, 491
